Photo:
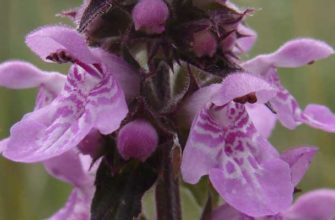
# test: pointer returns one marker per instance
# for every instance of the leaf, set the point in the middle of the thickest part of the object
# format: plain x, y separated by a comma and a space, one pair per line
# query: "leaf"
95, 8
207, 209
200, 191
119, 196
190, 208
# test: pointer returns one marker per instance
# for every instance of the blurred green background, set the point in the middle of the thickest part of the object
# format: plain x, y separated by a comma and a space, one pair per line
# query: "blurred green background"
27, 192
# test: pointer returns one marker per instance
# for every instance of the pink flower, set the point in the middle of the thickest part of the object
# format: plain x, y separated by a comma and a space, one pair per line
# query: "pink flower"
91, 98
223, 143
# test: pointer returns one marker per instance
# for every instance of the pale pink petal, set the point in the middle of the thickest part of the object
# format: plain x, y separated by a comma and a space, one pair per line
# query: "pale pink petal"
263, 119
294, 53
289, 112
67, 167
52, 39
263, 191
197, 101
48, 132
315, 205
300, 52
241, 84
227, 212
299, 160
319, 116
107, 104
286, 106
125, 75
72, 168
247, 41
23, 75
77, 207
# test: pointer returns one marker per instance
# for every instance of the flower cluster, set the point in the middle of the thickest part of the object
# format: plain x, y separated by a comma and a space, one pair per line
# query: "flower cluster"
157, 85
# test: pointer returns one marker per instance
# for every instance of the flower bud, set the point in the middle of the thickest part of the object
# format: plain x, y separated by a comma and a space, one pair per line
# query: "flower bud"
137, 139
228, 42
150, 16
204, 43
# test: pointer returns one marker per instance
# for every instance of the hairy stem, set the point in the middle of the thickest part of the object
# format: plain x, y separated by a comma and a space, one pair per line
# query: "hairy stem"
167, 190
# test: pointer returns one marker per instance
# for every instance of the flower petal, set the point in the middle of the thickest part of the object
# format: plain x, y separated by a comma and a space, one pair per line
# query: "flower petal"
108, 106
300, 52
23, 75
299, 160
246, 41
289, 112
52, 39
124, 74
241, 84
48, 132
256, 192
227, 212
319, 116
318, 204
67, 167
197, 101
77, 207
263, 119
294, 53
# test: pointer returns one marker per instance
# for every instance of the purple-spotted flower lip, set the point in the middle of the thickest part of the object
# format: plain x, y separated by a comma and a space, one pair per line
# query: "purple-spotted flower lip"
224, 144
91, 95
299, 159
314, 205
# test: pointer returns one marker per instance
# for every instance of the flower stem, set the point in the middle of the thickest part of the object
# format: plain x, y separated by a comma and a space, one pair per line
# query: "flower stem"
167, 190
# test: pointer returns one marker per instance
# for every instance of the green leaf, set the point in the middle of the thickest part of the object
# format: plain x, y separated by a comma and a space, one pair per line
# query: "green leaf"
119, 196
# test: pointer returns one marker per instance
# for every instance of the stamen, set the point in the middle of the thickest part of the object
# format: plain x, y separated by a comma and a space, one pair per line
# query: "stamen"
60, 57
249, 98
